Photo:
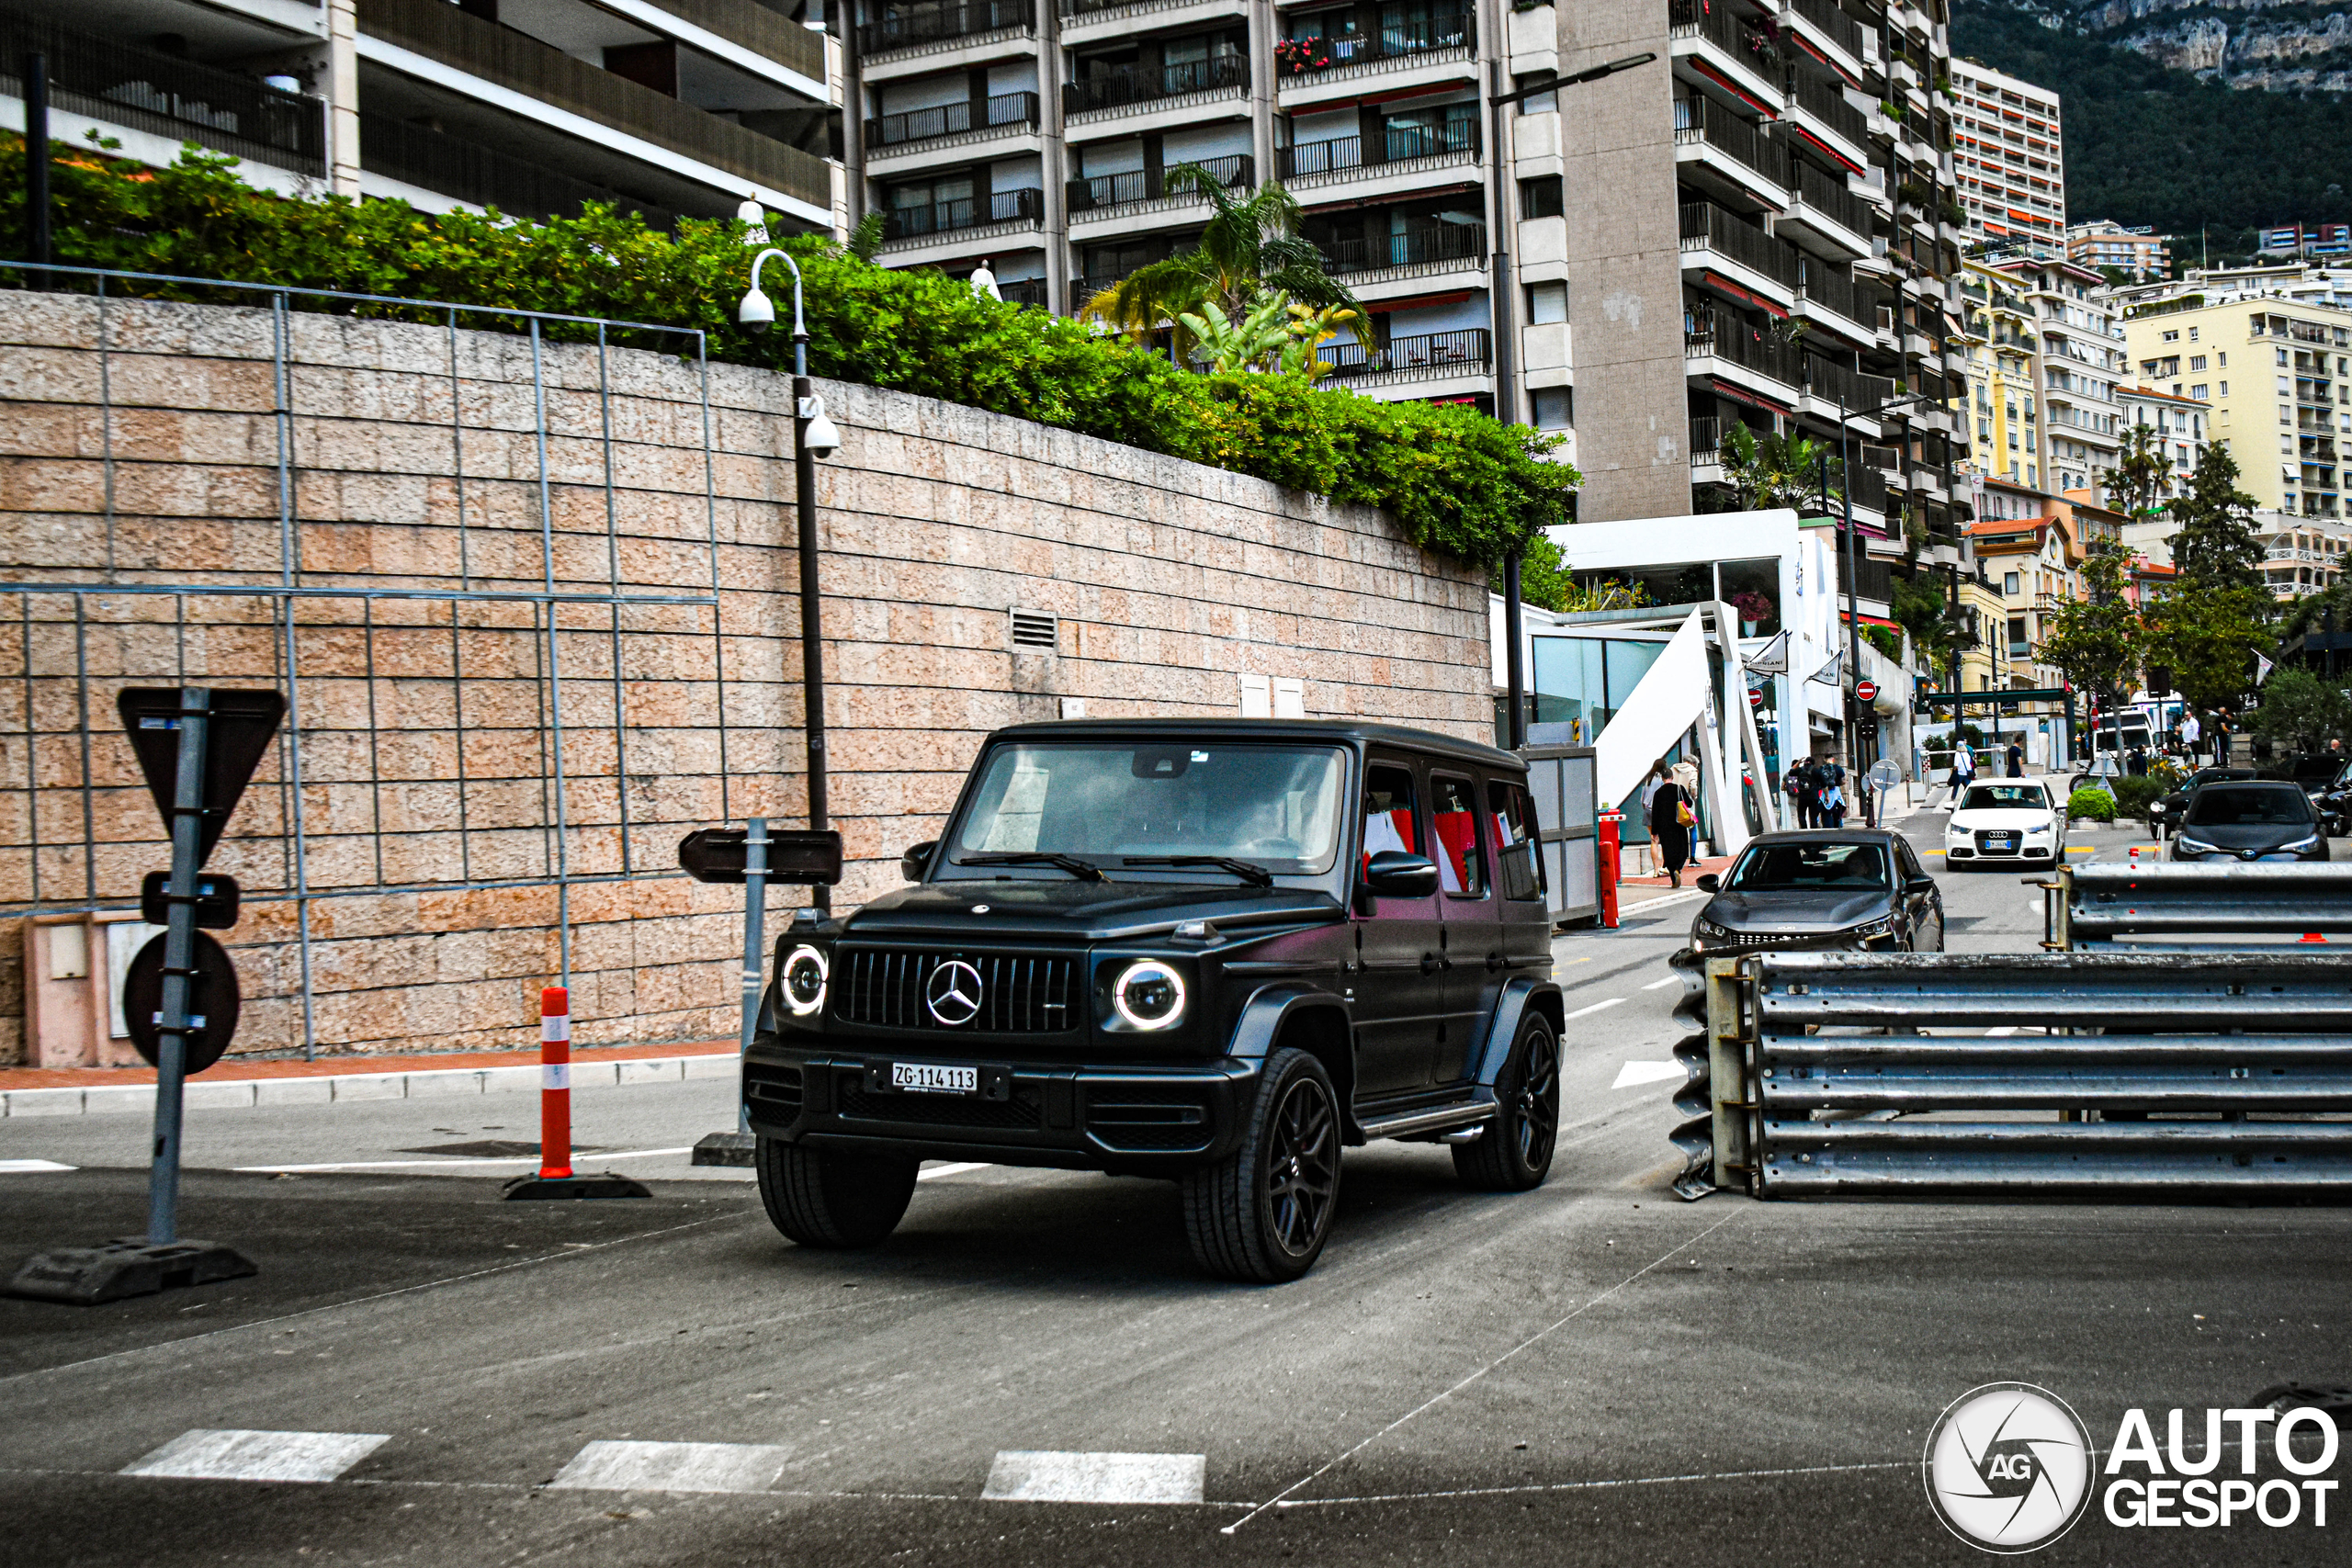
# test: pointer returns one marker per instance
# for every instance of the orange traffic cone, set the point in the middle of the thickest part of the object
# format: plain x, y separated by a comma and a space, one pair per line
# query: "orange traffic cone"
2314, 936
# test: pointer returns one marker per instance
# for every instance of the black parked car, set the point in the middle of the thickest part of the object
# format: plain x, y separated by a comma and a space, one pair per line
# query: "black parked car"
1215, 951
2163, 813
2333, 801
2249, 819
1827, 889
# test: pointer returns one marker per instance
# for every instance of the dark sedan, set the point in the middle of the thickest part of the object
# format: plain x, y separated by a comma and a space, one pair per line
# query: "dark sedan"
2163, 813
2249, 819
1824, 889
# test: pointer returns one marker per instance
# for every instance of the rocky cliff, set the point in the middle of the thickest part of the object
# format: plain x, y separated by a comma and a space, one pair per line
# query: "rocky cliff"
2279, 45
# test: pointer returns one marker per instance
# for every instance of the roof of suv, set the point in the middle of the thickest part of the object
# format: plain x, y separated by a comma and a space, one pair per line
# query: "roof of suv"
1323, 729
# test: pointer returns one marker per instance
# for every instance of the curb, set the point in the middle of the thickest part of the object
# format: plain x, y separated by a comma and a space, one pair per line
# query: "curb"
336, 1088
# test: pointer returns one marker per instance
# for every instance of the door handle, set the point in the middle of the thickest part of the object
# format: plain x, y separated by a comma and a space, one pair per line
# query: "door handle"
1431, 963
1494, 961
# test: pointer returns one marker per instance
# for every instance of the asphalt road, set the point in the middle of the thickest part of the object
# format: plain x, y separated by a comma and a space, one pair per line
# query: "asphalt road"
1593, 1373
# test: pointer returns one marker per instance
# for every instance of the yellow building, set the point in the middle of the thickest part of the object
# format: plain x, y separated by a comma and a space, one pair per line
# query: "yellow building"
1999, 405
2283, 408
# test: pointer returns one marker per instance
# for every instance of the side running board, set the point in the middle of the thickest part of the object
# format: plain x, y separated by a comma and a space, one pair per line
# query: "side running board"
1436, 1118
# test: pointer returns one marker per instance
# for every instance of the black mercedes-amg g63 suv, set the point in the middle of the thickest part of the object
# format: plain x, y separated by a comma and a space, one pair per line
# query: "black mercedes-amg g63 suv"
1210, 950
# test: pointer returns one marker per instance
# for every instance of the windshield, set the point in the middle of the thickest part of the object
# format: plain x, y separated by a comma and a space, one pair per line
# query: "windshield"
2249, 805
2004, 797
2207, 775
1788, 868
1275, 806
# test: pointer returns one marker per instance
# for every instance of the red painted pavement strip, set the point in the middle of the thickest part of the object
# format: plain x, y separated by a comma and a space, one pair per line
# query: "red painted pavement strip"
234, 1071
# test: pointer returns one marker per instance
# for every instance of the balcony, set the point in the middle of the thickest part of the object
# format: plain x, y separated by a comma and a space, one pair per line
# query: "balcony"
1734, 148
1737, 52
177, 99
1707, 335
1226, 75
1824, 291
1833, 26
483, 176
1429, 357
1145, 190
1827, 213
911, 27
1706, 443
1433, 38
1707, 228
1436, 247
1007, 113
1006, 209
1026, 291
1407, 149
1828, 121
520, 63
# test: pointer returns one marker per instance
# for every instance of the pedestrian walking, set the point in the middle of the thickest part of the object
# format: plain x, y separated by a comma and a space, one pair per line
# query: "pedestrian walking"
2192, 734
1808, 792
2222, 737
1963, 771
1658, 775
1833, 792
2017, 761
1670, 821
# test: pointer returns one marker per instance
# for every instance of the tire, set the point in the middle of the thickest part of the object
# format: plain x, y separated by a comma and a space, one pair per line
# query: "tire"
1515, 1154
829, 1199
1261, 1214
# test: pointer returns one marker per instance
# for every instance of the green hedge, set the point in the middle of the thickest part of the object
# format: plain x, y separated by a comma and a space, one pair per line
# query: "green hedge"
2132, 794
1458, 481
2095, 805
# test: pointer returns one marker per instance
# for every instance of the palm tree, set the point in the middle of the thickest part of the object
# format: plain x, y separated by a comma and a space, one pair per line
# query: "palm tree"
1251, 247
1773, 470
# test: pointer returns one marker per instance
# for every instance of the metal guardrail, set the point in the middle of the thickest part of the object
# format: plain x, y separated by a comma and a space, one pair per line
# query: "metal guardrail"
2174, 1073
2090, 908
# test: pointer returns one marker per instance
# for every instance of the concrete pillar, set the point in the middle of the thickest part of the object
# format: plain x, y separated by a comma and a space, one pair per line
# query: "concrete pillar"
343, 98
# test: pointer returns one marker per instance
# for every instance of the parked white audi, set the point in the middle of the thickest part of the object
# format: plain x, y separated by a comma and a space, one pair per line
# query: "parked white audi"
2006, 819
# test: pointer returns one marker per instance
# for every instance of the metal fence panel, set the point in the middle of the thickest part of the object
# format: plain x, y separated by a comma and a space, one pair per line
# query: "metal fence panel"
1560, 779
2221, 905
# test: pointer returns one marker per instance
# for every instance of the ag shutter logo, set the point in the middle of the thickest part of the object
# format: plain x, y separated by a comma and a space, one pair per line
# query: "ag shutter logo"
2009, 1467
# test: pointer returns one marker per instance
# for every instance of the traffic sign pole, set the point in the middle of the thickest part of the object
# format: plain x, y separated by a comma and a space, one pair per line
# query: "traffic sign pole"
179, 967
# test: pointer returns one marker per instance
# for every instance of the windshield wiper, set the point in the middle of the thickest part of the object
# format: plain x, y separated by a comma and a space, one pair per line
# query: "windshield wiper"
1247, 870
1083, 870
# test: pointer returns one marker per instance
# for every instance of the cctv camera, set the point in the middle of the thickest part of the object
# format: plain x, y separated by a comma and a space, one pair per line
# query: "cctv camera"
821, 438
757, 312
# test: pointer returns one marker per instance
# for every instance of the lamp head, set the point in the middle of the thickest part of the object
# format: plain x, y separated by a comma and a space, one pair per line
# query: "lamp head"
757, 312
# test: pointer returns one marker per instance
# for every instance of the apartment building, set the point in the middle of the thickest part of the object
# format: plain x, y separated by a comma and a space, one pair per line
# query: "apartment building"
2002, 394
668, 107
1754, 236
2043, 359
2302, 555
2104, 243
2291, 384
2008, 160
2180, 424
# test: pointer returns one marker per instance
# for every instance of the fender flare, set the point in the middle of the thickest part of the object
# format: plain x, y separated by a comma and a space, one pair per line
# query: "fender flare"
1271, 1006
1518, 998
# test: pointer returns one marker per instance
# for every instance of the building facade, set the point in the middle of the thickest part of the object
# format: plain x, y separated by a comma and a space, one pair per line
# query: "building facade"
669, 107
2179, 425
2008, 160
2104, 244
2292, 385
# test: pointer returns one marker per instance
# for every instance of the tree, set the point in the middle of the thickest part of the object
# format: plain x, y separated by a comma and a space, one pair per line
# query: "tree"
1936, 625
2097, 640
2209, 641
2300, 709
1250, 246
1772, 470
2216, 547
2136, 485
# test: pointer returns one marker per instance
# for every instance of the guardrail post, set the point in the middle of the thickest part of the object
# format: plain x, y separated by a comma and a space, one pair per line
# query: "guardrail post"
1728, 1077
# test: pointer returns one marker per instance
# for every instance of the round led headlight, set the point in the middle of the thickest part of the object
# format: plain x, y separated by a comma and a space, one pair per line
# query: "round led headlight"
1148, 994
804, 981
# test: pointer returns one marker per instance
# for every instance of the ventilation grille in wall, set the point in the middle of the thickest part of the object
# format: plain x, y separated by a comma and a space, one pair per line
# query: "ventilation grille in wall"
1033, 628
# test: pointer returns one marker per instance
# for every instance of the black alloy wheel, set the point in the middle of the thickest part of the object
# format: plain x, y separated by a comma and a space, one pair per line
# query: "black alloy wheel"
1263, 1213
1515, 1153
830, 1198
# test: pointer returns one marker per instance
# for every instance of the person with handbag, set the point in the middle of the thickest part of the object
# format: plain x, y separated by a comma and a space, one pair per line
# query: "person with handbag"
1671, 822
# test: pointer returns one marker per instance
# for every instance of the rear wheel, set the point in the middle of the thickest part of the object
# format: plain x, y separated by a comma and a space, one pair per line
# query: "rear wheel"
1515, 1154
1263, 1213
831, 1199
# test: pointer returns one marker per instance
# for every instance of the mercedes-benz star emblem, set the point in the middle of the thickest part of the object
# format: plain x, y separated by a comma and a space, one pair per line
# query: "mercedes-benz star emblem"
953, 993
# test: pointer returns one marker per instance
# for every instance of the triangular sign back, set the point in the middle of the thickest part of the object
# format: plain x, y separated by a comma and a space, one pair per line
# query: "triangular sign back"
242, 722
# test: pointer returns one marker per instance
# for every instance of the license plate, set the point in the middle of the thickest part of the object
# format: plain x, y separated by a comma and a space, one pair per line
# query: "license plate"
924, 1078
1999, 841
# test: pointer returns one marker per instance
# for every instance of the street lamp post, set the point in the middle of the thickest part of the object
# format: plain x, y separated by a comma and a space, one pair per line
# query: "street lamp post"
1853, 613
813, 436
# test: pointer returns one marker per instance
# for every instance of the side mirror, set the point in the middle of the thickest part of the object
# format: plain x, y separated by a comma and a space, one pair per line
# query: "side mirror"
916, 860
1710, 882
1393, 874
1919, 884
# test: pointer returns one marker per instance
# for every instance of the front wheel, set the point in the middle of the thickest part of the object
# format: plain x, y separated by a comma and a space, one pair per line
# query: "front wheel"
1515, 1152
1263, 1213
831, 1199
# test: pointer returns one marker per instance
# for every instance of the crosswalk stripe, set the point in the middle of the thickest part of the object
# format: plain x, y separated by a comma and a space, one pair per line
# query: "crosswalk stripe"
209, 1455
1032, 1476
1634, 1073
610, 1466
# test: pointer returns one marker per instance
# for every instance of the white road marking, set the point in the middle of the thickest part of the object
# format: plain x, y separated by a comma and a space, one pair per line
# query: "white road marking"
203, 1455
1596, 1007
1634, 1073
671, 1466
446, 1164
1662, 985
937, 1171
1026, 1476
28, 1166
2005, 1029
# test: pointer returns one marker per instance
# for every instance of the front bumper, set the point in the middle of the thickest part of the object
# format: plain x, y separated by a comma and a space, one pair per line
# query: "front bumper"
1151, 1120
1795, 941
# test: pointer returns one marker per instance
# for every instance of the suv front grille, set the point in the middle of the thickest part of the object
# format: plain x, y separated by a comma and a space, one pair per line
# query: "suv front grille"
2013, 843
1020, 993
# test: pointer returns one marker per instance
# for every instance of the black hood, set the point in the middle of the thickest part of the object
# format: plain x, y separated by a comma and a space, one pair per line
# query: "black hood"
1828, 910
2251, 835
1073, 912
